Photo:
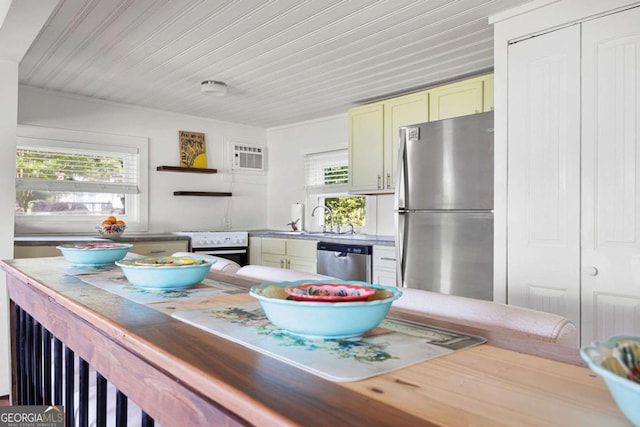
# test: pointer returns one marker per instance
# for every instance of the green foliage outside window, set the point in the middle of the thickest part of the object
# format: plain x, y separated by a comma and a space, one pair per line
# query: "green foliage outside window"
345, 210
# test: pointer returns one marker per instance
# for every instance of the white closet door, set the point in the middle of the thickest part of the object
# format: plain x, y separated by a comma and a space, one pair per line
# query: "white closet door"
543, 195
611, 176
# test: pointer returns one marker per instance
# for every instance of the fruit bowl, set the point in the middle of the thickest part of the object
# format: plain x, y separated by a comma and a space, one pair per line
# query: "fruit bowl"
94, 253
617, 361
329, 292
165, 273
111, 230
321, 319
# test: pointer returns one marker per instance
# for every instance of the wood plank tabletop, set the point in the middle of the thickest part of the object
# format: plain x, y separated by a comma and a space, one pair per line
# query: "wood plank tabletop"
483, 386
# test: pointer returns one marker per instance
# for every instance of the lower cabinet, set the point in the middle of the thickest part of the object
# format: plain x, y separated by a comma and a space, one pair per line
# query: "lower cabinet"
146, 248
255, 250
35, 251
292, 254
384, 265
159, 248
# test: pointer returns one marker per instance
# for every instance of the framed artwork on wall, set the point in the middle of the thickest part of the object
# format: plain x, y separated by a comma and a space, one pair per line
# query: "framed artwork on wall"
193, 153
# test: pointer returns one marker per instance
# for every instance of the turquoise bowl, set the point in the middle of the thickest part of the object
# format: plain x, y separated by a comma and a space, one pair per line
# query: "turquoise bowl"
165, 277
94, 253
327, 320
625, 392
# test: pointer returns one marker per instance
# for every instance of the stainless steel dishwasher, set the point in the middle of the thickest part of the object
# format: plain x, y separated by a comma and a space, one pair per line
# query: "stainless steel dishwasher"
345, 261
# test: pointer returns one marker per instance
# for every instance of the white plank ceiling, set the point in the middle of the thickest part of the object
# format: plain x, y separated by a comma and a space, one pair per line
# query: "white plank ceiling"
284, 61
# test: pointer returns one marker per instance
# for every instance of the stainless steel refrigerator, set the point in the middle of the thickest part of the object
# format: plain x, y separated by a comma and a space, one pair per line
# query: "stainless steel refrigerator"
444, 206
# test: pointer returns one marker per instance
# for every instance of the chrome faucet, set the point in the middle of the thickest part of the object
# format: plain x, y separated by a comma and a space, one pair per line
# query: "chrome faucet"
324, 226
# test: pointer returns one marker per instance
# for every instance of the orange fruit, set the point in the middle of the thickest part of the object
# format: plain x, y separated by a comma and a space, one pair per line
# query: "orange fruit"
111, 219
106, 222
120, 222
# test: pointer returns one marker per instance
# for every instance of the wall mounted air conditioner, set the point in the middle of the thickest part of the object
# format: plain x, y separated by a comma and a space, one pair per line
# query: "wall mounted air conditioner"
248, 157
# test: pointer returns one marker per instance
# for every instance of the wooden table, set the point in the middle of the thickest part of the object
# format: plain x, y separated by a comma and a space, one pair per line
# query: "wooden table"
183, 376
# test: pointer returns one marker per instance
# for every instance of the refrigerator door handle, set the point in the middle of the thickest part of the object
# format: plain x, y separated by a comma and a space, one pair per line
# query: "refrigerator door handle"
400, 228
399, 199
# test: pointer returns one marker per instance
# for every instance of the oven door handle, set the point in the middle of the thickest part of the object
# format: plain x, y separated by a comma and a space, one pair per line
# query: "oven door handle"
221, 252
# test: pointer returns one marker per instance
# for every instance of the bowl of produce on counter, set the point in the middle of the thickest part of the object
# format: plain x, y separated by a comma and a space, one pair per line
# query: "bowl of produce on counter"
165, 273
617, 361
111, 227
94, 253
329, 292
328, 319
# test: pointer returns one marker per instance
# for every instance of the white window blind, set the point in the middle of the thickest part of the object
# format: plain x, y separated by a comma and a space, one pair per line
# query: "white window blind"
329, 168
77, 167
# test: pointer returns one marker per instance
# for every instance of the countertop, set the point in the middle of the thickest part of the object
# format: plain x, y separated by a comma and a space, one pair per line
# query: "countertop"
178, 372
54, 240
352, 239
357, 239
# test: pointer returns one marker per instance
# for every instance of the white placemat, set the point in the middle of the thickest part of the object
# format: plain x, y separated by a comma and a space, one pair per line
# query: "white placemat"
118, 284
393, 345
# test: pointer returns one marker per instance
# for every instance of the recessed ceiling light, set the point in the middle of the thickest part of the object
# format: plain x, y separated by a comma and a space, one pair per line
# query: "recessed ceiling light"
213, 87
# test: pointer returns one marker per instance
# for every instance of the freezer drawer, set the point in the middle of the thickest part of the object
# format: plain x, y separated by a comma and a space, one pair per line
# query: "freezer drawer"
447, 252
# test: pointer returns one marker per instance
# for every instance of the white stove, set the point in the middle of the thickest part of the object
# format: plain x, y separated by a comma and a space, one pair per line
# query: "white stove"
233, 245
216, 239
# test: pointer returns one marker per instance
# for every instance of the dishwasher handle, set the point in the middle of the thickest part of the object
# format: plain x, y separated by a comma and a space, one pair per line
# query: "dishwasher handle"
346, 248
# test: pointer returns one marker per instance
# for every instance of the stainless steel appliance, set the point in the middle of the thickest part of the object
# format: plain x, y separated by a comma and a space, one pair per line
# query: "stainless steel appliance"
233, 245
444, 206
347, 262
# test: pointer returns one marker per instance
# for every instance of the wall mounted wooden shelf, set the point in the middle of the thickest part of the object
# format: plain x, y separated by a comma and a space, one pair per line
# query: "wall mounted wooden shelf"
184, 169
202, 193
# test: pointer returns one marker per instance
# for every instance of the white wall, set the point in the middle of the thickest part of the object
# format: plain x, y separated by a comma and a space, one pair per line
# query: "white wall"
8, 113
20, 23
245, 210
287, 146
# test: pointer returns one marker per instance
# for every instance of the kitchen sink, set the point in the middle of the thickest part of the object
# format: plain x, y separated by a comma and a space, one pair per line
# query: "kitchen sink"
320, 234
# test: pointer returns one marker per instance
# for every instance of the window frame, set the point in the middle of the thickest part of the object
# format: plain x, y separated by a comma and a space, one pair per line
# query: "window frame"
137, 204
317, 193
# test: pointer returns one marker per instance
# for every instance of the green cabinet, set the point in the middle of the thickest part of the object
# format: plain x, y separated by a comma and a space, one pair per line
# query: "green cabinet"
374, 128
461, 98
291, 254
366, 147
373, 140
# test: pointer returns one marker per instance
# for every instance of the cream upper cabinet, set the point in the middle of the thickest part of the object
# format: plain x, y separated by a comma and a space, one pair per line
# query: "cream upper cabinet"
292, 254
366, 147
401, 111
374, 129
373, 140
461, 98
487, 93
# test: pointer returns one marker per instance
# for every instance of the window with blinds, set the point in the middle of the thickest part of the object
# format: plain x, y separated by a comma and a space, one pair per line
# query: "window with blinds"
328, 168
327, 179
77, 170
67, 180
